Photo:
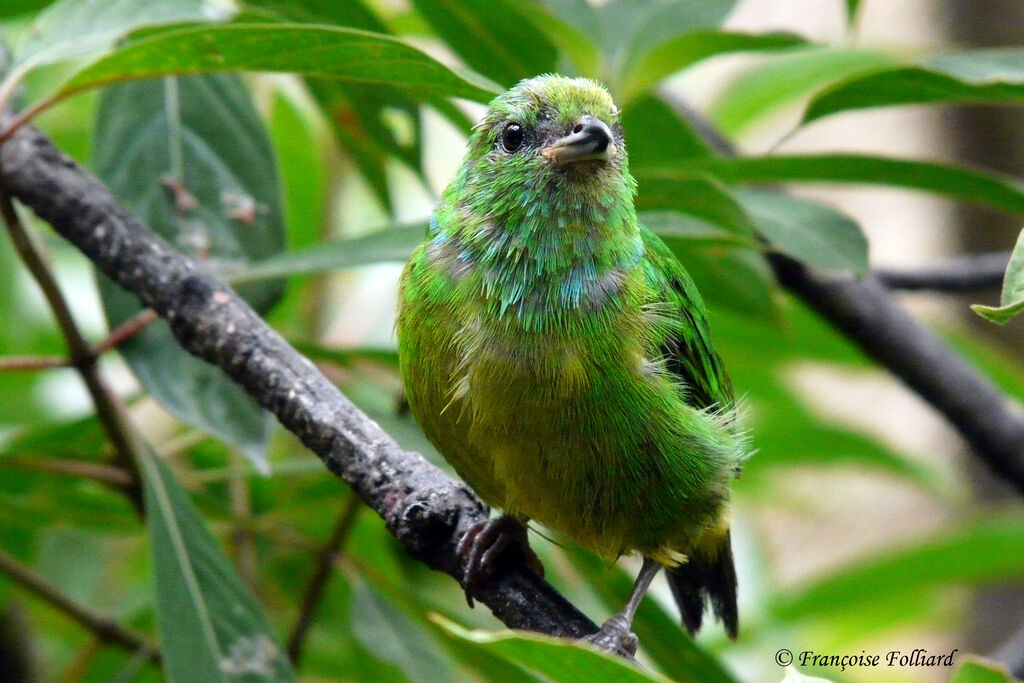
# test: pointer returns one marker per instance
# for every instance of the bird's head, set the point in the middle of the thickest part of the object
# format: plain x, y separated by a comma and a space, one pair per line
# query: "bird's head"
549, 138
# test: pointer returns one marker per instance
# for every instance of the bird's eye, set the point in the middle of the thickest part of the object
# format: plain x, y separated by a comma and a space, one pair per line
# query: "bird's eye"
512, 137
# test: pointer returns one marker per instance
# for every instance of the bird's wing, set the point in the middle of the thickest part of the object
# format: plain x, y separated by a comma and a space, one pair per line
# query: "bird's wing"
709, 575
685, 335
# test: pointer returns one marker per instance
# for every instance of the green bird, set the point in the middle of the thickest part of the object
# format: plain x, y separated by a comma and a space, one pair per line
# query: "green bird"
559, 357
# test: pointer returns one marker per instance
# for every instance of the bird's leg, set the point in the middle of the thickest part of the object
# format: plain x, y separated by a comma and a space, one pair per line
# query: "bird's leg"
616, 634
486, 542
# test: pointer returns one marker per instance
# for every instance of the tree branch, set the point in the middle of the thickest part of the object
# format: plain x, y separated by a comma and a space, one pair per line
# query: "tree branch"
423, 507
109, 409
864, 311
964, 273
322, 571
106, 629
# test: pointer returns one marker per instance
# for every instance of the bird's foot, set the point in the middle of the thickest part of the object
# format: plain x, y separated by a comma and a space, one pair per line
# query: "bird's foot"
486, 542
615, 637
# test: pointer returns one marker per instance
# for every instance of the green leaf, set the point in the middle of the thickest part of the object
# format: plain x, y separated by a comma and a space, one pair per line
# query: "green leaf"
1011, 302
495, 37
387, 245
987, 549
697, 195
362, 117
992, 76
570, 40
81, 439
975, 669
675, 225
657, 136
319, 51
630, 27
724, 260
583, 16
352, 13
554, 658
302, 160
648, 68
851, 8
812, 232
73, 28
13, 8
765, 89
211, 627
382, 629
191, 157
961, 184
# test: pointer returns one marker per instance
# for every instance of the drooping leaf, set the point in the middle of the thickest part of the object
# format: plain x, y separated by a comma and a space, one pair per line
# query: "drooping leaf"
648, 68
492, 36
390, 244
631, 27
211, 627
191, 157
301, 159
785, 79
680, 226
573, 42
582, 15
1011, 301
991, 76
697, 195
975, 669
986, 549
851, 8
554, 658
812, 232
13, 8
955, 182
75, 28
359, 112
385, 631
351, 13
656, 136
319, 51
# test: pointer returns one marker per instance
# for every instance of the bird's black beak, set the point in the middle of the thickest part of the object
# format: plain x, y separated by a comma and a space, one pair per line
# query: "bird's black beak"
590, 140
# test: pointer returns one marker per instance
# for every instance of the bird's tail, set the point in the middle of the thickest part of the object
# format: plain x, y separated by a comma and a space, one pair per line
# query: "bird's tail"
708, 576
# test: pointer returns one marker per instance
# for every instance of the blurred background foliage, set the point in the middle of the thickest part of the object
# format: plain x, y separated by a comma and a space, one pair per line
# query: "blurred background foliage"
862, 525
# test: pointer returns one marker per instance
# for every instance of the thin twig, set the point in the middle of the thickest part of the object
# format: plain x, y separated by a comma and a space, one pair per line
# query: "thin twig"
105, 474
109, 409
78, 669
105, 628
965, 273
31, 363
119, 336
126, 331
317, 584
241, 512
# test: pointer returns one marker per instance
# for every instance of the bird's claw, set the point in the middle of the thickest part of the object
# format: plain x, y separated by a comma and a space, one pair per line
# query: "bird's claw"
486, 542
615, 637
